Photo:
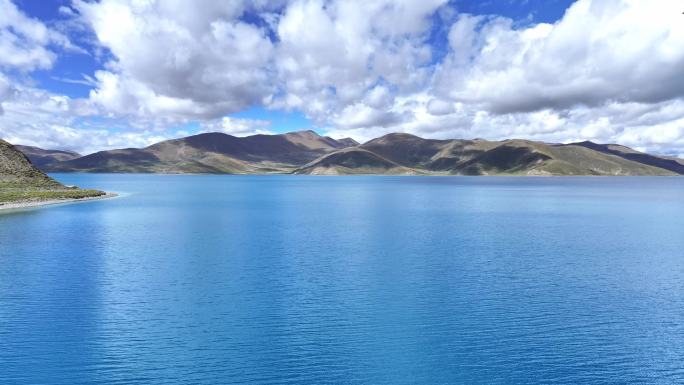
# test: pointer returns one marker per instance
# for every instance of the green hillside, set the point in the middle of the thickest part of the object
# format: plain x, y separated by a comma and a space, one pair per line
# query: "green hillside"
20, 181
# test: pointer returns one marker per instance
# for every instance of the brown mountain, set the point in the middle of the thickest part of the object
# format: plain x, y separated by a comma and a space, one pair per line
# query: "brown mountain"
353, 160
306, 152
349, 142
671, 164
508, 157
41, 158
210, 153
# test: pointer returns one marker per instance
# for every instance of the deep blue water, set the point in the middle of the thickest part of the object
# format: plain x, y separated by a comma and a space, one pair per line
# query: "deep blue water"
383, 280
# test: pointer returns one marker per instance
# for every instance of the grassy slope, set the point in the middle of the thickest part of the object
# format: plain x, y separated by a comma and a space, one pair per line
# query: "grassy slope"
31, 194
20, 181
353, 160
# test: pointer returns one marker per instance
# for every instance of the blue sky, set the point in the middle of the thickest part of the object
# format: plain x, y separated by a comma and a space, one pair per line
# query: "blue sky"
89, 75
66, 76
70, 65
74, 65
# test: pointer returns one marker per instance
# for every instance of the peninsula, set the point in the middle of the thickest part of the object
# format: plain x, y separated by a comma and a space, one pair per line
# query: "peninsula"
23, 185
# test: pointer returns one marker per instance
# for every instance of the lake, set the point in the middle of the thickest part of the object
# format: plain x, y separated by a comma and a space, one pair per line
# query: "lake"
380, 280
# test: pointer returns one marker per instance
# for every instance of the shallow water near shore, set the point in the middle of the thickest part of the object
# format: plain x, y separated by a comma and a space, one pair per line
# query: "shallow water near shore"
296, 279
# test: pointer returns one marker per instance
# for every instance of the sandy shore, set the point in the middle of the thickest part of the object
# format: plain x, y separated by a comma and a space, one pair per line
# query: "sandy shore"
31, 204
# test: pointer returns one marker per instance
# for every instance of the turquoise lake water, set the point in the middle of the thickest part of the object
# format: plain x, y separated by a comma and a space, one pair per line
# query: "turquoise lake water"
368, 280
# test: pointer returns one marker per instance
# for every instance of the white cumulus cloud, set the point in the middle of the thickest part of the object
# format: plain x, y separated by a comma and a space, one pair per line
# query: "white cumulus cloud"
178, 59
608, 70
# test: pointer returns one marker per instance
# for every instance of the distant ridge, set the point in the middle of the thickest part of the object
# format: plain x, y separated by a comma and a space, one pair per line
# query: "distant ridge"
674, 165
306, 152
353, 160
348, 142
210, 153
41, 158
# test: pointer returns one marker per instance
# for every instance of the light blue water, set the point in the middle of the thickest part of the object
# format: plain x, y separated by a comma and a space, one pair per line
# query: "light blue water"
385, 280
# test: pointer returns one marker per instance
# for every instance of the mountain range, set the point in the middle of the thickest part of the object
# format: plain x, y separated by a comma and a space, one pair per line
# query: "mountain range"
210, 153
41, 158
305, 152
